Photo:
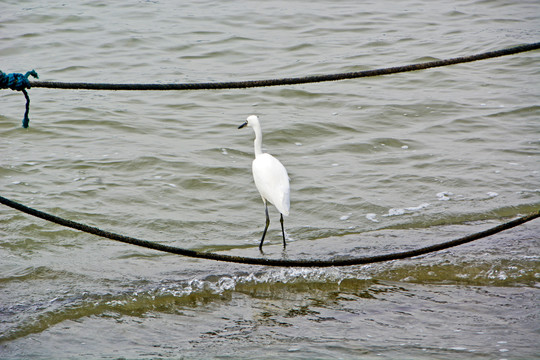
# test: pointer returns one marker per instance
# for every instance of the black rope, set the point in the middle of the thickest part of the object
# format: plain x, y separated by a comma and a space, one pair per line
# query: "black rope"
21, 81
262, 261
288, 81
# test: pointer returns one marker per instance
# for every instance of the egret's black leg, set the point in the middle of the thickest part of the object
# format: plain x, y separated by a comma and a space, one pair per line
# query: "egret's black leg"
282, 230
266, 227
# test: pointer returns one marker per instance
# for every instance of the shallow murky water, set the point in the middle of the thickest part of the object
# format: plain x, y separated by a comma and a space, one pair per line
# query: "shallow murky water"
377, 165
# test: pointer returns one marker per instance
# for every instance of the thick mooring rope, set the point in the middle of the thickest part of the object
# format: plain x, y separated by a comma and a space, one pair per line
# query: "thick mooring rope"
258, 83
262, 261
289, 81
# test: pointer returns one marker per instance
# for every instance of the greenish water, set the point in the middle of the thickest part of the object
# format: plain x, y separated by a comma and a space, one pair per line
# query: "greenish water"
377, 165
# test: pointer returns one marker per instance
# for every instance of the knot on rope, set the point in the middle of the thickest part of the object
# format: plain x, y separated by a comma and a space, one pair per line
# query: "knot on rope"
19, 82
16, 81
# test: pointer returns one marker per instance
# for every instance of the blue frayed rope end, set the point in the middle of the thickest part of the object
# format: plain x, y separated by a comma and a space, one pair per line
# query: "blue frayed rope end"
19, 82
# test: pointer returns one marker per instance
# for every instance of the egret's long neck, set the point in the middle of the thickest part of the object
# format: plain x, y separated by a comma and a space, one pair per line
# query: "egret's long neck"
258, 140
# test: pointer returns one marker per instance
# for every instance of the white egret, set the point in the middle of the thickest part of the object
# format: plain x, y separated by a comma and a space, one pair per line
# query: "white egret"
271, 178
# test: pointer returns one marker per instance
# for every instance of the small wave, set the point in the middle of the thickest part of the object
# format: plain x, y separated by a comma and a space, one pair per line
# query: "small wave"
401, 211
218, 284
444, 195
372, 217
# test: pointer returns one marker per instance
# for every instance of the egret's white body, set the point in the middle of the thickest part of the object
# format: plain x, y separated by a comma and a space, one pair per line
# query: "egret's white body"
272, 181
270, 176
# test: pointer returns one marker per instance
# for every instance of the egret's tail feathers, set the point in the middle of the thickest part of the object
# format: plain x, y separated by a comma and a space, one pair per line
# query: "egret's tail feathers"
284, 206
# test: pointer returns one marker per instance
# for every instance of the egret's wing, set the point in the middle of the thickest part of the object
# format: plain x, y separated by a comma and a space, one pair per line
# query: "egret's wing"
272, 181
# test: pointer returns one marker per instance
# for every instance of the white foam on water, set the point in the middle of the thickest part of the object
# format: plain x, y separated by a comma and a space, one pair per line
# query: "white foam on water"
419, 207
372, 217
444, 195
402, 211
395, 212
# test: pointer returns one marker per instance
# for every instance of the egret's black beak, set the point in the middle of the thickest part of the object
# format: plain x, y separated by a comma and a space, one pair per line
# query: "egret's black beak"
244, 124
